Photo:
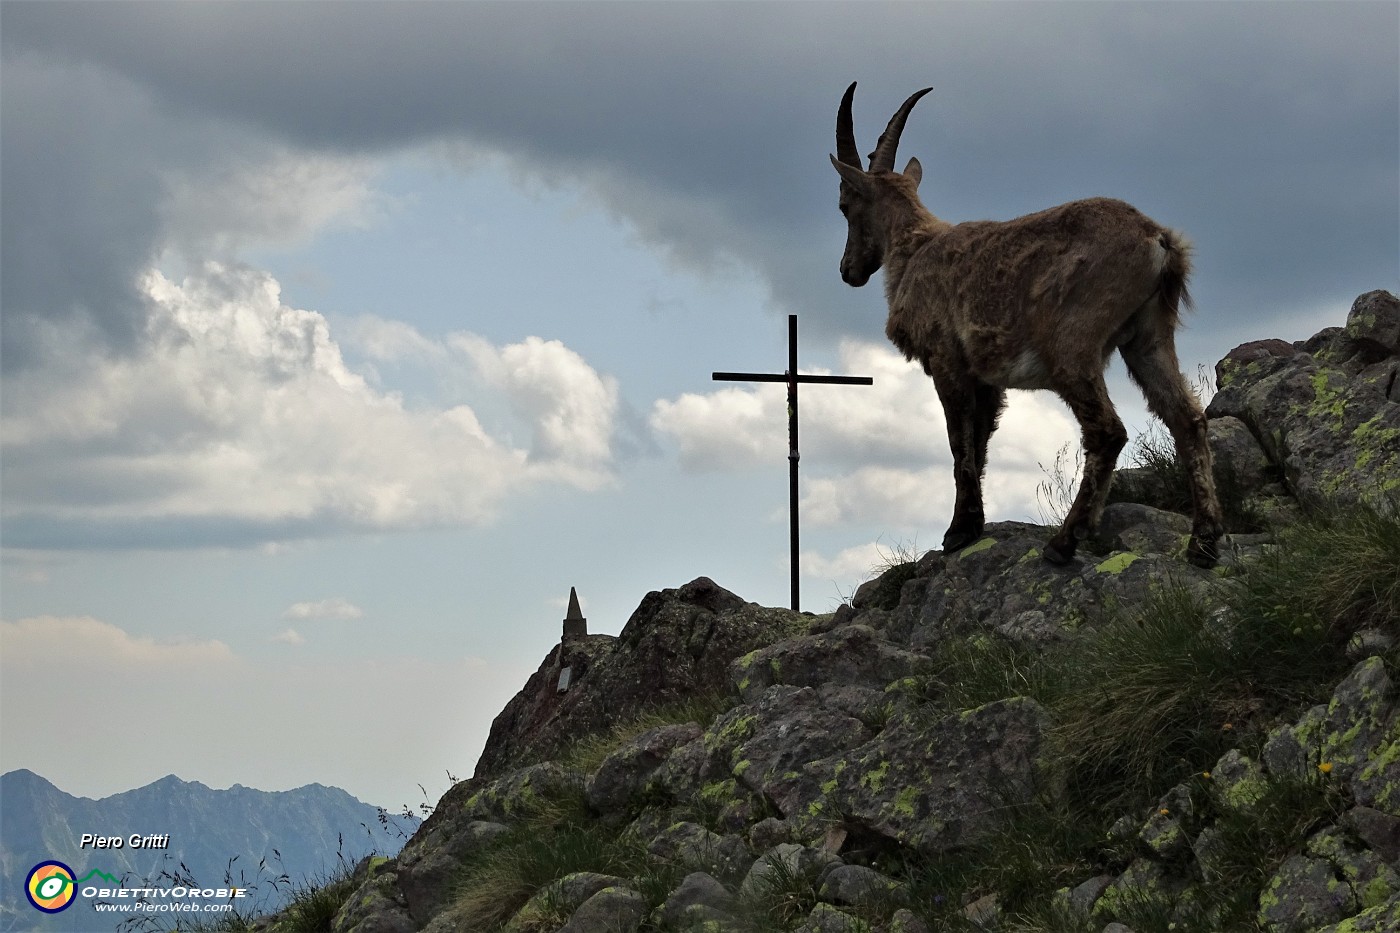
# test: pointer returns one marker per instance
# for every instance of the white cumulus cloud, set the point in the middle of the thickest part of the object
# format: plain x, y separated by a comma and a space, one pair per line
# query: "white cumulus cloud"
851, 563
887, 495
572, 407
896, 420
241, 422
66, 641
335, 608
877, 453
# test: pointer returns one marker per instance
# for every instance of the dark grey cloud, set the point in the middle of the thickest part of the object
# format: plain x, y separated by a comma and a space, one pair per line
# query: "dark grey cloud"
1268, 132
77, 200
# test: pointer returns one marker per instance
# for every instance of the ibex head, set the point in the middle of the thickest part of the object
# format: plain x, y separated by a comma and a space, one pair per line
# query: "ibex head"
861, 190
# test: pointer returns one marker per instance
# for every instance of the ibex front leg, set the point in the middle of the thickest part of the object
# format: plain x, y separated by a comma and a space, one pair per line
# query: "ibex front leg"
960, 411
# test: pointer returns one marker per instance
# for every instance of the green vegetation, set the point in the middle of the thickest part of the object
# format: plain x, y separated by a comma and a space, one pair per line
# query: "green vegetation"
310, 906
314, 905
1055, 494
514, 877
586, 754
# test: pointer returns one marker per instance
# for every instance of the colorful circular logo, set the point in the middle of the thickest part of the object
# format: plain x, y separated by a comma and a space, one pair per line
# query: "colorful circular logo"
50, 887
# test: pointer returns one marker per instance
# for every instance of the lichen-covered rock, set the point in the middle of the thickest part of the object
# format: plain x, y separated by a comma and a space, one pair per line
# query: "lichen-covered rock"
770, 832
523, 792
857, 885
1372, 881
626, 772
452, 919
1163, 833
1000, 583
827, 919
932, 786
1210, 849
377, 905
677, 644
1144, 886
696, 848
836, 734
1384, 918
792, 728
1346, 737
884, 591
1369, 643
1380, 831
562, 896
904, 921
703, 770
1323, 409
1237, 783
1304, 895
1375, 319
1237, 452
611, 910
1142, 529
872, 707
432, 860
984, 913
851, 655
699, 899
1377, 782
529, 728
782, 864
1078, 902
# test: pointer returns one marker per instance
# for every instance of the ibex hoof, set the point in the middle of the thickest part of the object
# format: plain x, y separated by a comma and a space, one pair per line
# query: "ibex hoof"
1203, 552
957, 540
1060, 550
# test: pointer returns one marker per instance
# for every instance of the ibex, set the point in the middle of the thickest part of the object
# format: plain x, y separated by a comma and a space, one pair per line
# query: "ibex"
1039, 302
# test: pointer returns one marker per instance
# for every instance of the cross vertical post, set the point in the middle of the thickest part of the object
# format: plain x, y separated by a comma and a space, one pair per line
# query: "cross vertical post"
792, 379
793, 456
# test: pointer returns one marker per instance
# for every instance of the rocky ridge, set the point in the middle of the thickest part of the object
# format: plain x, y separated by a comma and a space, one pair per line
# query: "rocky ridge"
847, 749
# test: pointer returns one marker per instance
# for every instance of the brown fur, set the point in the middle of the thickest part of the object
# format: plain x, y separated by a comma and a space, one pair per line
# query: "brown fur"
1039, 302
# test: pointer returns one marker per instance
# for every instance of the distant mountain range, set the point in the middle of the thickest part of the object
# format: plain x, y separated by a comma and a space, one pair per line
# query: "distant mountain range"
217, 838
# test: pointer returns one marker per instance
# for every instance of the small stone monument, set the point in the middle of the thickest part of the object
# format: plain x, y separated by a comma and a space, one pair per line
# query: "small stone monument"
575, 625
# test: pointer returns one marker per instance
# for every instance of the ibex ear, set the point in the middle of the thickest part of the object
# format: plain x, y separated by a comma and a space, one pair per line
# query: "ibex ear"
851, 173
914, 171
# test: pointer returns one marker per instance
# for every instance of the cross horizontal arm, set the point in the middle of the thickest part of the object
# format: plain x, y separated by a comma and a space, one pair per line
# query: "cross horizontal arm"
839, 380
783, 377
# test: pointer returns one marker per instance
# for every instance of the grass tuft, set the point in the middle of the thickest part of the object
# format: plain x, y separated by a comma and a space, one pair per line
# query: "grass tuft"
314, 905
588, 753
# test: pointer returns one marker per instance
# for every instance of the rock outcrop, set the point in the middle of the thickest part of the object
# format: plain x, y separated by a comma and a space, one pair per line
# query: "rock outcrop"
844, 754
676, 645
1324, 411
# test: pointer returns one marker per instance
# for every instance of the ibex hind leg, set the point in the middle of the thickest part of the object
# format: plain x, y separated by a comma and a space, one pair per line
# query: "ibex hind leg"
1104, 438
1153, 366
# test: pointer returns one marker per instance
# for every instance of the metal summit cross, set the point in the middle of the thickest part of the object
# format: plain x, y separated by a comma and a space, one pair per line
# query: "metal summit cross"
792, 379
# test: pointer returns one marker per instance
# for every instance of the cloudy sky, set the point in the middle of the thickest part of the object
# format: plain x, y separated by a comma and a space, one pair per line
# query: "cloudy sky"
339, 341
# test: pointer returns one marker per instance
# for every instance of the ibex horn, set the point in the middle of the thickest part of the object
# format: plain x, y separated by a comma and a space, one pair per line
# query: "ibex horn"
882, 159
846, 149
